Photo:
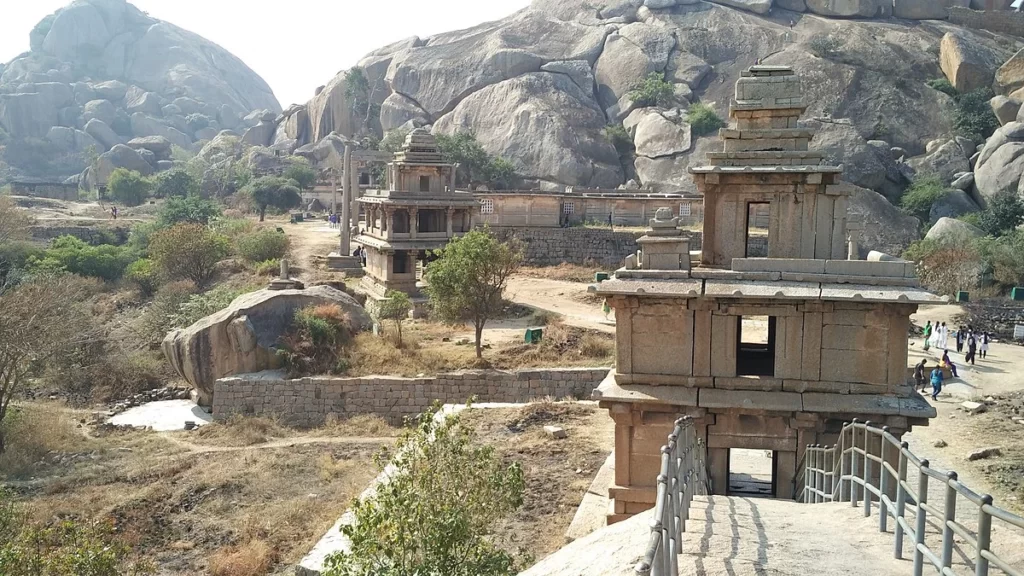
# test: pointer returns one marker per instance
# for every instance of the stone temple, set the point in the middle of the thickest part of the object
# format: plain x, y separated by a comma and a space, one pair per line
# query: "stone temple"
418, 212
767, 353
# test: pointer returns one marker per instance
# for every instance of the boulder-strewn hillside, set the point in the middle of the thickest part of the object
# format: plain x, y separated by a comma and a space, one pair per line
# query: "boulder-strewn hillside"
102, 72
539, 86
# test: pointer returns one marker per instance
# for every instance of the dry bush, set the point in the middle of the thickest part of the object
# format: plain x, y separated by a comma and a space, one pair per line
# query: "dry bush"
362, 425
253, 558
560, 345
594, 346
313, 344
369, 354
33, 433
240, 431
331, 467
545, 318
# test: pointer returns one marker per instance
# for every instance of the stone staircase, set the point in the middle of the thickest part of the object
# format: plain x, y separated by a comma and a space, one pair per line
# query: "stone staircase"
736, 536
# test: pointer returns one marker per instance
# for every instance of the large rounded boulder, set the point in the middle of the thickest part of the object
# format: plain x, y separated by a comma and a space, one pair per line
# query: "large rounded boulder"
243, 337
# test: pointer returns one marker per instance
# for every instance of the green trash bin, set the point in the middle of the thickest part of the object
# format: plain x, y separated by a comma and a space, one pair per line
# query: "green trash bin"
601, 276
534, 335
1017, 293
964, 296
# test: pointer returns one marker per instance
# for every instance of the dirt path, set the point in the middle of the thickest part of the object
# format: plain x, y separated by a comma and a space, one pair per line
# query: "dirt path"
310, 241
565, 298
273, 444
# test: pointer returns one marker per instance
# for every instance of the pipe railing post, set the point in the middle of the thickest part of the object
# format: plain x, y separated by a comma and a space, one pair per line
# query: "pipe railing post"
819, 473
829, 478
844, 486
920, 526
948, 516
984, 537
808, 454
867, 468
883, 484
853, 466
901, 501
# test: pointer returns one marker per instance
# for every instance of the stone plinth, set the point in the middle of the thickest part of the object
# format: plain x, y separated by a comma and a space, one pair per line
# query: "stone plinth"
352, 266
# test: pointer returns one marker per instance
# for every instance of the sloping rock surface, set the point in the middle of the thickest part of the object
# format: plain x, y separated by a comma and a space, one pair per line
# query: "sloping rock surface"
243, 337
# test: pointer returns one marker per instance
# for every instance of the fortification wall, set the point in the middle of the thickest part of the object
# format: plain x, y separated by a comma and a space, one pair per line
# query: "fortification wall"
552, 246
308, 401
999, 21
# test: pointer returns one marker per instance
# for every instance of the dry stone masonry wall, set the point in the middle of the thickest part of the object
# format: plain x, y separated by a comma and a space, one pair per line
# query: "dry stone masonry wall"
308, 401
552, 246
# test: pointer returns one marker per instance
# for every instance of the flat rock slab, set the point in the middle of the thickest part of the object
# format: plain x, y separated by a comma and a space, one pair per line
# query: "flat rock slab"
163, 416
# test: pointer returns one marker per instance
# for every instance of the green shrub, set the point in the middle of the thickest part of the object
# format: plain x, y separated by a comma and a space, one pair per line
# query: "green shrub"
973, 117
188, 252
654, 90
262, 245
302, 174
921, 195
129, 187
144, 274
267, 267
942, 85
15, 256
313, 343
1005, 212
824, 45
191, 209
232, 227
162, 314
620, 139
69, 254
703, 119
140, 234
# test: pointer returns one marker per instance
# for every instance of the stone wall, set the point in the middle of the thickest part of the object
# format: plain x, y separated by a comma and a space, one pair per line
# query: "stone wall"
1003, 22
552, 246
308, 401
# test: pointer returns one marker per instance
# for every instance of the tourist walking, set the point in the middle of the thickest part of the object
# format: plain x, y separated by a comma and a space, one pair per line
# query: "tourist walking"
936, 382
919, 370
960, 337
984, 344
927, 335
972, 348
943, 336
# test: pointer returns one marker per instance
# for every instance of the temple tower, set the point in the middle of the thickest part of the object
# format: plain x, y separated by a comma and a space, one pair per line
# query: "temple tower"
769, 337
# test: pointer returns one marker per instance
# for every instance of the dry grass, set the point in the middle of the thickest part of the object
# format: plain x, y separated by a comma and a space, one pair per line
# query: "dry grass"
564, 271
240, 431
34, 434
254, 558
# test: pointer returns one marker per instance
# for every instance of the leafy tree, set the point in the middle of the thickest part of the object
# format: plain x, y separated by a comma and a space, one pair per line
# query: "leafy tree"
942, 85
393, 141
175, 183
188, 252
144, 274
923, 192
14, 223
437, 512
972, 115
1004, 213
62, 548
395, 307
40, 318
360, 95
653, 90
129, 187
824, 45
703, 119
272, 191
262, 245
501, 174
463, 149
467, 280
69, 254
303, 175
192, 209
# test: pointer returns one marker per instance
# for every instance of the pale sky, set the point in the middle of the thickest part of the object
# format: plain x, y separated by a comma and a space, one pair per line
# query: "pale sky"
295, 45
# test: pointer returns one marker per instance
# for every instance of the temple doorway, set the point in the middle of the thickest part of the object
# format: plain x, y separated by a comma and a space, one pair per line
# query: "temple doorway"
751, 473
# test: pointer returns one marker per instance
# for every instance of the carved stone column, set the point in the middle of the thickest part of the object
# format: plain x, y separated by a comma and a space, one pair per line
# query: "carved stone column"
450, 214
413, 222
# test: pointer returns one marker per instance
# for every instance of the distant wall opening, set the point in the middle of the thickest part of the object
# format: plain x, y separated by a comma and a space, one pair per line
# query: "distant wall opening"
755, 346
401, 222
752, 473
758, 214
400, 263
424, 183
431, 221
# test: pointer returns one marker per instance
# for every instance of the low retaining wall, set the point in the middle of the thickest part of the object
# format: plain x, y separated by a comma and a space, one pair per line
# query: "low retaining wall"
308, 401
578, 245
1001, 21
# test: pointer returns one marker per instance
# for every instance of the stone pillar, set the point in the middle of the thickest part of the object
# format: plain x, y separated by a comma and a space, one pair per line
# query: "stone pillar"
450, 214
284, 269
346, 205
785, 474
718, 468
354, 197
387, 223
452, 176
413, 222
854, 228
334, 192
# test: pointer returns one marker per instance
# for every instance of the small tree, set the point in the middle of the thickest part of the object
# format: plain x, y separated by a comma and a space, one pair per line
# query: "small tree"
174, 183
467, 280
191, 209
272, 191
40, 318
463, 149
653, 90
1005, 212
188, 252
129, 187
302, 174
924, 191
13, 222
436, 513
703, 119
395, 307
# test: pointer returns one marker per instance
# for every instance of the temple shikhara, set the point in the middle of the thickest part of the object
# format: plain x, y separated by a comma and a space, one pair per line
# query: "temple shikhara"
417, 212
768, 353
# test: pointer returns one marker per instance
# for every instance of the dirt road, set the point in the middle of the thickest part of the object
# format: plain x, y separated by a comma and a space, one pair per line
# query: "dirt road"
569, 299
309, 241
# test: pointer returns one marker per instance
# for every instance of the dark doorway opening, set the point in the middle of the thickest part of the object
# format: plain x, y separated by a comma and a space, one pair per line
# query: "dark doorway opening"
751, 473
755, 346
424, 183
758, 214
400, 263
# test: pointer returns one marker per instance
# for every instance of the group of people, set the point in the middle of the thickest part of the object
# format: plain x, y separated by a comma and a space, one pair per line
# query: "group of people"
333, 220
937, 335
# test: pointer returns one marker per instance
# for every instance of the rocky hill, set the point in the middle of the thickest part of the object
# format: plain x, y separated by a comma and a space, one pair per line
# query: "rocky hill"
540, 86
102, 72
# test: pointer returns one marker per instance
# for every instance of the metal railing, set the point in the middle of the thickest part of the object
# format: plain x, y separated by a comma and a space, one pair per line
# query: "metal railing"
859, 470
683, 475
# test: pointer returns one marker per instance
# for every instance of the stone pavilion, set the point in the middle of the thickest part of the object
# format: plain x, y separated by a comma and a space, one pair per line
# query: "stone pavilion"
766, 353
417, 212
